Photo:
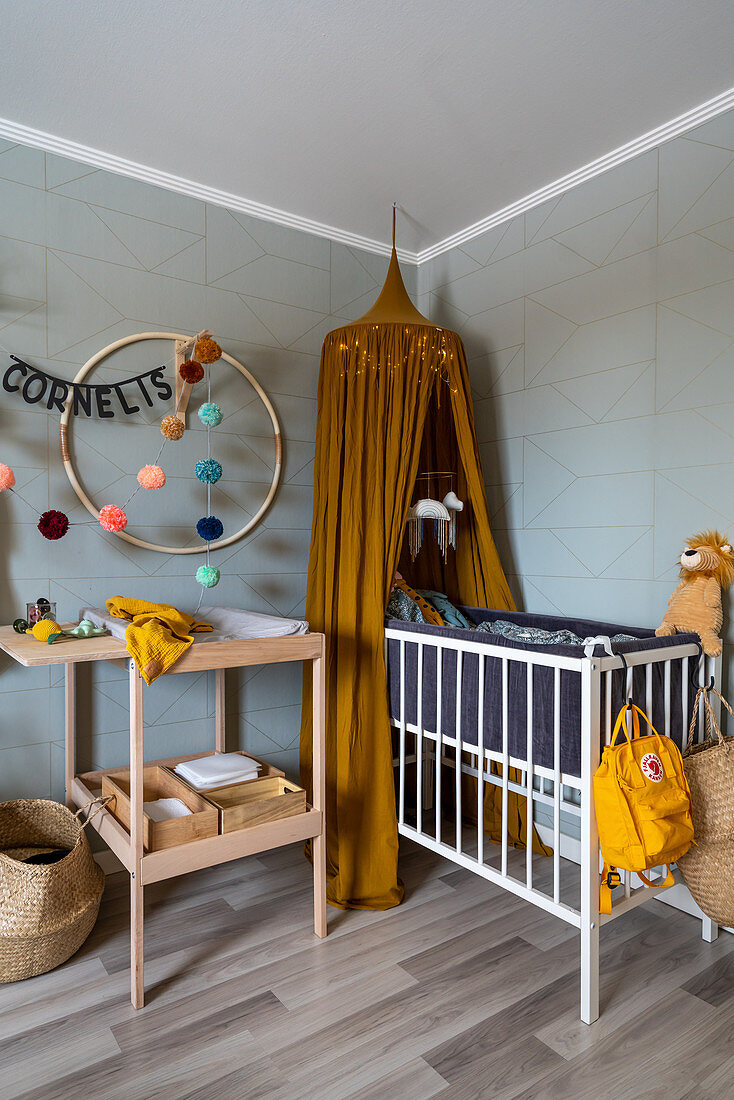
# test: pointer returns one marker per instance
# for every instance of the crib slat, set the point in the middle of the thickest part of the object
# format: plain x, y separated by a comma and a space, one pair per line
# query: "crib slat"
401, 813
505, 765
557, 784
459, 664
529, 782
419, 741
439, 737
480, 763
608, 719
648, 690
685, 673
666, 696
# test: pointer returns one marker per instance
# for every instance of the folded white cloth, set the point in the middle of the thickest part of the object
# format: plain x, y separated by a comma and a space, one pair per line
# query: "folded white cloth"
161, 809
230, 624
221, 770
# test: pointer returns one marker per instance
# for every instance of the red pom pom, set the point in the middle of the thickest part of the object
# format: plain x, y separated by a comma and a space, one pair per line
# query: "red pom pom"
191, 371
53, 525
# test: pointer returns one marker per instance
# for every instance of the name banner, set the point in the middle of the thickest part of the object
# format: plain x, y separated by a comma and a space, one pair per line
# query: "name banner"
35, 387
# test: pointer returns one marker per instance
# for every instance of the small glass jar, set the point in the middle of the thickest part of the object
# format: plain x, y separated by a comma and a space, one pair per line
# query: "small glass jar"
43, 609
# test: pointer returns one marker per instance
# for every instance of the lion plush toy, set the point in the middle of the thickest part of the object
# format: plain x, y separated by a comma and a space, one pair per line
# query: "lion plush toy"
707, 567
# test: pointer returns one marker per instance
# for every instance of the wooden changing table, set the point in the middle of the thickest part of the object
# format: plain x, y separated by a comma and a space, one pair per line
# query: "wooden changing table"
146, 868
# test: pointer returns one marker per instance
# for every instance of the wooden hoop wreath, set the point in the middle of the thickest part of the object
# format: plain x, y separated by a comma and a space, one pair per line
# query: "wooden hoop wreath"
88, 504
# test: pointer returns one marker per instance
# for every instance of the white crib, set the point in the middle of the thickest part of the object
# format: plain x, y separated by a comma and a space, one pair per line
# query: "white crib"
556, 797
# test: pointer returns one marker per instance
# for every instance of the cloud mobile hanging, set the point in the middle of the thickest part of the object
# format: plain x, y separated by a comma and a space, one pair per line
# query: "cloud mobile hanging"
34, 386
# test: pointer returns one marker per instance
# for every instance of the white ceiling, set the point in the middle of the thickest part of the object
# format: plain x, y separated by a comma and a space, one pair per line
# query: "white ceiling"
330, 109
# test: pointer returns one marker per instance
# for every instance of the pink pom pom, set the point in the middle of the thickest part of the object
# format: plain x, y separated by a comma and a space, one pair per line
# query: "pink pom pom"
112, 518
151, 477
7, 477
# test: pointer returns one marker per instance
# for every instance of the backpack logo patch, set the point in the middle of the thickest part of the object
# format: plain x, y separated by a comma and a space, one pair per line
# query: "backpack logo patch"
652, 767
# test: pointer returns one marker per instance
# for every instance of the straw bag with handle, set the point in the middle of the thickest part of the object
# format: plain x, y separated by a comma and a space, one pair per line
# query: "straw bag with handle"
47, 909
708, 867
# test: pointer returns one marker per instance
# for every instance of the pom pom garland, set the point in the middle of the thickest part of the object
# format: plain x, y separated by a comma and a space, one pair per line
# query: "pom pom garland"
207, 576
207, 350
172, 428
7, 477
209, 528
151, 477
112, 518
53, 525
208, 470
210, 414
191, 371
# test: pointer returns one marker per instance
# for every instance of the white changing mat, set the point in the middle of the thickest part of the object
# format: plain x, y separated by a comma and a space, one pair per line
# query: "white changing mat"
221, 770
230, 624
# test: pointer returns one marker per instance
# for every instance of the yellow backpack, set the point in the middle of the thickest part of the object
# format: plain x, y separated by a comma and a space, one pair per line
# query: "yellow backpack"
643, 805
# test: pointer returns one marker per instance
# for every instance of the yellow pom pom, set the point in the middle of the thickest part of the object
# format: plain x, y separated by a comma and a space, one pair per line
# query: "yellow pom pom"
207, 350
42, 630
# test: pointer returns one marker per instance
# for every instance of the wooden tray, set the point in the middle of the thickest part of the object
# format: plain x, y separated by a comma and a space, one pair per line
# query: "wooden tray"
159, 782
256, 801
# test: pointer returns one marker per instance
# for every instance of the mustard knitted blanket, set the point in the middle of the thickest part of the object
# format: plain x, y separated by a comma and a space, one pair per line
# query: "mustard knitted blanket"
158, 634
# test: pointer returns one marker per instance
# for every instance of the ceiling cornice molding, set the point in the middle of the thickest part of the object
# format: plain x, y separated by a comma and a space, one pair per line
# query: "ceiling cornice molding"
651, 140
96, 158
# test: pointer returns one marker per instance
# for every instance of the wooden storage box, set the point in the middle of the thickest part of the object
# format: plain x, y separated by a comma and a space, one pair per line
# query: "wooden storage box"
257, 801
159, 782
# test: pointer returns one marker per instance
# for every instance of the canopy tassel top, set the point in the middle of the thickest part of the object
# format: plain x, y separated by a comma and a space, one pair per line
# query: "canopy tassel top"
378, 396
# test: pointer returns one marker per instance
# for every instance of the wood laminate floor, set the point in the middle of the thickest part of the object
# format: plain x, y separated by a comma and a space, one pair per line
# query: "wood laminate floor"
461, 992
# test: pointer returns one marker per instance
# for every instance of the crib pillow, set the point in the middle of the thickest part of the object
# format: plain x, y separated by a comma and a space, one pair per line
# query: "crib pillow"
451, 614
410, 606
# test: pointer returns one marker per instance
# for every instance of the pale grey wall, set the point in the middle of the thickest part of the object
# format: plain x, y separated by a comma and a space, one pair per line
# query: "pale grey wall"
85, 257
600, 332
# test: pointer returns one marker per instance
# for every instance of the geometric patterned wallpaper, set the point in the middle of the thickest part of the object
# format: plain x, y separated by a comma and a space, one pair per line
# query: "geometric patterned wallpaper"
600, 333
86, 257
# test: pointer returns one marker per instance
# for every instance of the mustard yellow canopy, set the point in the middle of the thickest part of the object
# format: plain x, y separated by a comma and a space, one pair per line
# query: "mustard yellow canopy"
383, 387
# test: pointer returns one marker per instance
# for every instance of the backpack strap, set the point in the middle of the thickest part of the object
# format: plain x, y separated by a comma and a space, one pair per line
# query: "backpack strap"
669, 880
611, 878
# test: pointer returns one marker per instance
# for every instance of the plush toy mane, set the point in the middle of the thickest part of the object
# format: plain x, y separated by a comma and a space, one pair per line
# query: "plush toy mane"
714, 543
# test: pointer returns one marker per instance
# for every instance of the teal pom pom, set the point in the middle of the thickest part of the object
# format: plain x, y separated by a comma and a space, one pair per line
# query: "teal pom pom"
207, 576
208, 470
209, 528
210, 414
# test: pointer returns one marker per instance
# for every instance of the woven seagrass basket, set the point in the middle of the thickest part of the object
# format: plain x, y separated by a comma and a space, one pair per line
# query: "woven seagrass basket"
46, 910
707, 867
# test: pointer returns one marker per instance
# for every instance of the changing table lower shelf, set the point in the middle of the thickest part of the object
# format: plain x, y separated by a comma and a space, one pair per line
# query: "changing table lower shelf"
194, 855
